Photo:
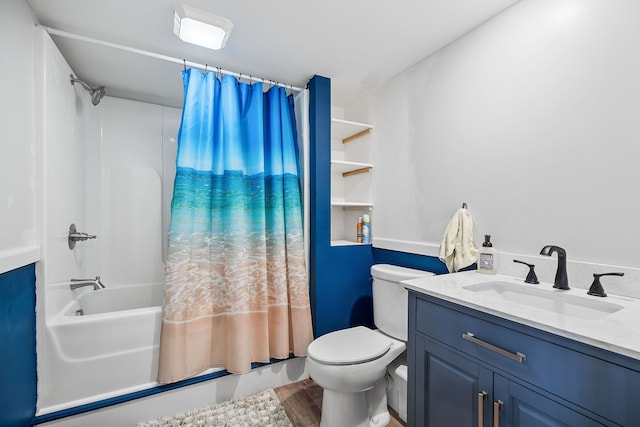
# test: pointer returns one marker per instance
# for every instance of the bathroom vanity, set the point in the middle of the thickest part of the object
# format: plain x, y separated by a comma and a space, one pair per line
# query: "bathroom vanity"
495, 351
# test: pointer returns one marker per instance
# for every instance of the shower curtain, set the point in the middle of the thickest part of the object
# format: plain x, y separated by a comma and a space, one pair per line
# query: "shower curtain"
236, 283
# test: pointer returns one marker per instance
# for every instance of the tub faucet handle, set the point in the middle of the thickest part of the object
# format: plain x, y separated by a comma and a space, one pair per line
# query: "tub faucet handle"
531, 276
596, 288
77, 236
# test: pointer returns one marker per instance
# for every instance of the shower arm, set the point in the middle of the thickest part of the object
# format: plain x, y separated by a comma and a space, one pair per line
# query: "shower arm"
74, 79
96, 94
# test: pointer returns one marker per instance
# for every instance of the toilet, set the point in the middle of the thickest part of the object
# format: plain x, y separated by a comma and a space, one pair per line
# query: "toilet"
351, 364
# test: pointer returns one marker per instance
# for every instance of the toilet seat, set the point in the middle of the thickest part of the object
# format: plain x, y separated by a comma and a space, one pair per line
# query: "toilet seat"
349, 346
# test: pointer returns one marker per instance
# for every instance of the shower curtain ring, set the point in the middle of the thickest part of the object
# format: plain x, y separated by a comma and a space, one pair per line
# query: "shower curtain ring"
185, 64
205, 68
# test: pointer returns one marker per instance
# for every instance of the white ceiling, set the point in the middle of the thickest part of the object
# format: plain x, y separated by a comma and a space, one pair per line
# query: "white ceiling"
359, 44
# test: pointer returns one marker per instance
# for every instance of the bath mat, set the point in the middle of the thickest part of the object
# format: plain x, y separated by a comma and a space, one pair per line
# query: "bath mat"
260, 409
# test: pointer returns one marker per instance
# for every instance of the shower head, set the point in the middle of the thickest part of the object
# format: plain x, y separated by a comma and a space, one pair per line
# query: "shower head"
96, 94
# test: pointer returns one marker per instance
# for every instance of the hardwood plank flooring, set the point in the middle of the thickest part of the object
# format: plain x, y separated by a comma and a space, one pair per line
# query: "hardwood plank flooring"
302, 402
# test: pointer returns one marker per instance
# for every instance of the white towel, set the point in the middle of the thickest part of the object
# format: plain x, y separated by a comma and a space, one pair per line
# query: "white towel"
457, 250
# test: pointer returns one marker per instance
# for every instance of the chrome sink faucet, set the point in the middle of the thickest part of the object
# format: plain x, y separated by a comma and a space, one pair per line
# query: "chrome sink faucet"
79, 283
561, 281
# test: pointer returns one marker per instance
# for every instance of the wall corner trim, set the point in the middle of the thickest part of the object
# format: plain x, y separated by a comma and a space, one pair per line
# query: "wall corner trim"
18, 257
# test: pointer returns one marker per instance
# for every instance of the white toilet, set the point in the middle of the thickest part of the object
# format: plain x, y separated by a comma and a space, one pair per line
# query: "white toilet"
350, 364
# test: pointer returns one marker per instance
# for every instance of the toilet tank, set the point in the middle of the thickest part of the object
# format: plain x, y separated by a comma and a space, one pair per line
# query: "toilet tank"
390, 298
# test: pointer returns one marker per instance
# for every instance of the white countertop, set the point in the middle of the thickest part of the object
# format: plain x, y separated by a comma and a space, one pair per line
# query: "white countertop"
618, 332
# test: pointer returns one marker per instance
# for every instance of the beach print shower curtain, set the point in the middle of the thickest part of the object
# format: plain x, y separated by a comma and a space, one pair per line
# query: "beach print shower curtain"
236, 282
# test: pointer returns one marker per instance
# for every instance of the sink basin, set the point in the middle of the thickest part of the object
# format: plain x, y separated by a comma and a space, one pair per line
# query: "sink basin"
557, 302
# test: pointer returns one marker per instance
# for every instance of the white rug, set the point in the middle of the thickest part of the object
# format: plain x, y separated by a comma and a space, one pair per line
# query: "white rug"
261, 409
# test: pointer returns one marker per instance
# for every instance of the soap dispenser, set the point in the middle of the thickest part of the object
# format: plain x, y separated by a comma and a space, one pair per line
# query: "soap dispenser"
487, 257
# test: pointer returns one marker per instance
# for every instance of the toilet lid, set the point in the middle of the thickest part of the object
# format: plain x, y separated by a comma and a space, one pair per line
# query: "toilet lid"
349, 346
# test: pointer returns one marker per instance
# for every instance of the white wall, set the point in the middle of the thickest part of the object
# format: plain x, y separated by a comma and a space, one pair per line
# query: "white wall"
532, 119
18, 245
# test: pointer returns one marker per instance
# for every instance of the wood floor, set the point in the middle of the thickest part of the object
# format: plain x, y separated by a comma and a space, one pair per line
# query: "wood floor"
303, 403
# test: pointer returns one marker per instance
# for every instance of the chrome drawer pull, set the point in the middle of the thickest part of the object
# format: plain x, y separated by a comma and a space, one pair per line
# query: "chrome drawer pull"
497, 407
482, 397
518, 357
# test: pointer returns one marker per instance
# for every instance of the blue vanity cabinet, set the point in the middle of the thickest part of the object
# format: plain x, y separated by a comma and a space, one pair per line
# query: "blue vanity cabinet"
459, 391
516, 405
450, 384
528, 378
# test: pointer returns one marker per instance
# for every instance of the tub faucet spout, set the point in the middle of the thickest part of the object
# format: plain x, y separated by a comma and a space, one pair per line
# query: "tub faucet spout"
79, 283
561, 281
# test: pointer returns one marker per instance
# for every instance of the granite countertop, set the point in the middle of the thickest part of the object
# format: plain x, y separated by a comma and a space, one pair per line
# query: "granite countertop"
618, 332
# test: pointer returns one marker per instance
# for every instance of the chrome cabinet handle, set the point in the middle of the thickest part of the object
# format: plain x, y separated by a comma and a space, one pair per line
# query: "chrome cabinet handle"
497, 407
482, 396
518, 357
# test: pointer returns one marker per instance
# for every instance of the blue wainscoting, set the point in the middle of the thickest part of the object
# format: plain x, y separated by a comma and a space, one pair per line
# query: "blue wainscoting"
18, 349
339, 280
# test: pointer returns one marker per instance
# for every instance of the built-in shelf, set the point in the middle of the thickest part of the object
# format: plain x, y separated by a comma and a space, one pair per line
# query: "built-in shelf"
351, 179
347, 131
350, 168
352, 205
347, 243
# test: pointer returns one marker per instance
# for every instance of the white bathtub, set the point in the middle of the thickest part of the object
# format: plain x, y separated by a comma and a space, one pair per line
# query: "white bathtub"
110, 350
120, 298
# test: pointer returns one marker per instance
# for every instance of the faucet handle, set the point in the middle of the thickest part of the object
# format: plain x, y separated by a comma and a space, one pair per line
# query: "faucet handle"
531, 276
596, 288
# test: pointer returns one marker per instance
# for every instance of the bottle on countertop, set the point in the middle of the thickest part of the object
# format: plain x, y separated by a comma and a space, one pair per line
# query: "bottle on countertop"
487, 257
366, 229
359, 230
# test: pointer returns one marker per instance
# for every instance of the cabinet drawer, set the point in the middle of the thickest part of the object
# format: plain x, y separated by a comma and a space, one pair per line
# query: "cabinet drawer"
594, 384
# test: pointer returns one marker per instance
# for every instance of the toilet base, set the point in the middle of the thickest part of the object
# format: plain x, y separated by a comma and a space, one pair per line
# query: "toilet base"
397, 391
363, 409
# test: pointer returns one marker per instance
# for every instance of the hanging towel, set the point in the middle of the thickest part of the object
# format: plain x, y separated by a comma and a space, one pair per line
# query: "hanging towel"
457, 250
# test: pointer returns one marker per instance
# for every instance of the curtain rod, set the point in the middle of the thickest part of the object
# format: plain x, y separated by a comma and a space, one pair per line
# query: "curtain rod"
167, 58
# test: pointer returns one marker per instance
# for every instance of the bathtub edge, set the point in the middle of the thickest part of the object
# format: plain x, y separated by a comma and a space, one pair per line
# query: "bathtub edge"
88, 407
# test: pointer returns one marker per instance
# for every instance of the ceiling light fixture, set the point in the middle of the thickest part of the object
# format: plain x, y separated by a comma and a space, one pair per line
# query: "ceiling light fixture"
201, 28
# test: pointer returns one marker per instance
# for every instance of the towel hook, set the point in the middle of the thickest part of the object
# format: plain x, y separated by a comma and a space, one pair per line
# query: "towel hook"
464, 205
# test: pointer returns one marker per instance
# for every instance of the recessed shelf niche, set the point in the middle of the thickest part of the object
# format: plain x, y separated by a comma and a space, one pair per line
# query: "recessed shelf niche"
350, 179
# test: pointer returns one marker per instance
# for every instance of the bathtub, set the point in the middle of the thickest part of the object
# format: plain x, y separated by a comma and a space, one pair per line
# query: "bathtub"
103, 343
120, 298
112, 349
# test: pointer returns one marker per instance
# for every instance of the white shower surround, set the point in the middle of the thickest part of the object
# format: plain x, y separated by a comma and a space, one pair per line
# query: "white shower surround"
109, 169
103, 170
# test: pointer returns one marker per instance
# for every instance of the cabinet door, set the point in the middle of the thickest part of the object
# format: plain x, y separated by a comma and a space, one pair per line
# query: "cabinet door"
451, 390
518, 406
